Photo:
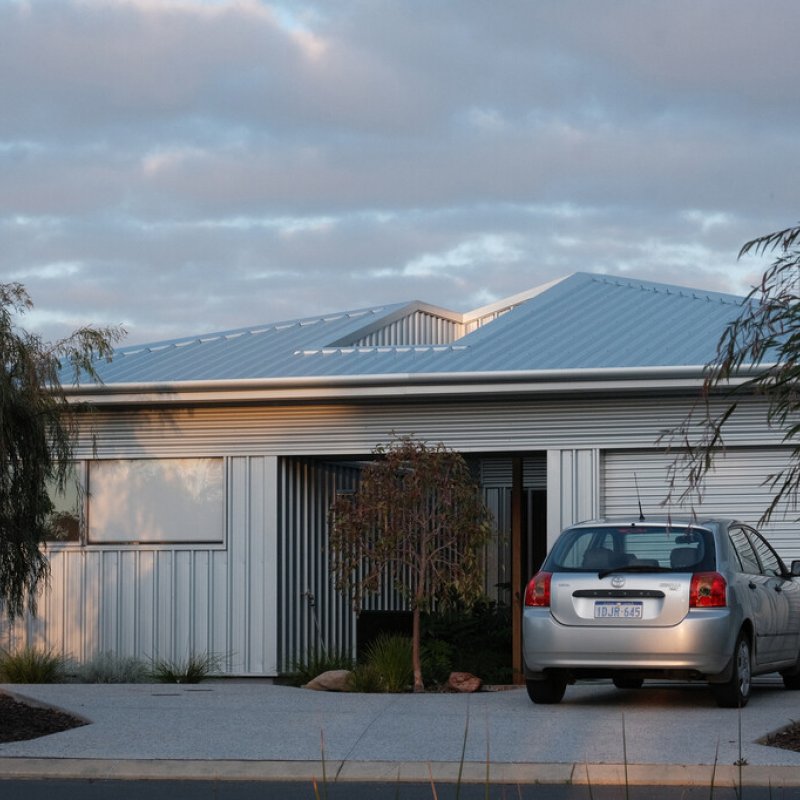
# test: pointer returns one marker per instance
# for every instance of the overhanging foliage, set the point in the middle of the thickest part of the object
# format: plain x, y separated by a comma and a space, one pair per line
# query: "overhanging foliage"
758, 354
37, 429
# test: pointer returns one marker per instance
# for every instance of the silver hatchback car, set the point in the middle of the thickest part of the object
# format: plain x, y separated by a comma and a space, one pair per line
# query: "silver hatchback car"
666, 598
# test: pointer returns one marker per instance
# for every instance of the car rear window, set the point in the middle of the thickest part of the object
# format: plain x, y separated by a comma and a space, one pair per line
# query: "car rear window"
677, 548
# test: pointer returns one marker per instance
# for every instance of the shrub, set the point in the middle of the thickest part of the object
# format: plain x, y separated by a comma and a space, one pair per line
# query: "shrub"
110, 668
195, 668
31, 665
438, 657
478, 638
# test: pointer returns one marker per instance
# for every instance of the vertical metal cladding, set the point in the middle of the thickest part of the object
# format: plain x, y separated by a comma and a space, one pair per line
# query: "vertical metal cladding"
313, 617
737, 487
162, 601
418, 328
495, 480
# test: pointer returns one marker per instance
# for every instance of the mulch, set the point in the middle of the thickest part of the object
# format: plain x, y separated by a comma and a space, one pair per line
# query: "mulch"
786, 739
20, 721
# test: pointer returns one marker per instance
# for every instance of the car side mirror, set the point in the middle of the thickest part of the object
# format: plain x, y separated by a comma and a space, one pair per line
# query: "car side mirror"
794, 571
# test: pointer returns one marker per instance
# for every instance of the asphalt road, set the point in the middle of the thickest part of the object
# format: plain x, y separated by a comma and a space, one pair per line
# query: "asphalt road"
260, 790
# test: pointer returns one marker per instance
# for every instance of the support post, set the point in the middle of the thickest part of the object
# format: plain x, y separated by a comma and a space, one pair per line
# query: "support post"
517, 564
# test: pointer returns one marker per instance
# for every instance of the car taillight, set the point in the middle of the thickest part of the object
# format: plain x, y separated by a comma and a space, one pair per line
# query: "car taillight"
538, 591
708, 590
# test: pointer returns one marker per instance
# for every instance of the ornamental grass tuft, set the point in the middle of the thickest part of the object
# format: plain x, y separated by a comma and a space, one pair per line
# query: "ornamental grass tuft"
32, 665
193, 669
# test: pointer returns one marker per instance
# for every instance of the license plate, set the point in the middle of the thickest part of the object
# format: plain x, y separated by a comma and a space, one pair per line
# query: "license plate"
616, 609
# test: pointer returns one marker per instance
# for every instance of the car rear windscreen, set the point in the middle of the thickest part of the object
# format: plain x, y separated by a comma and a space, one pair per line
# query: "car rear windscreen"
674, 548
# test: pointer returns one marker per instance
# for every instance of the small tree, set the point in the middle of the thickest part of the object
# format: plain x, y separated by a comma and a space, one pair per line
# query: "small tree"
757, 354
37, 431
417, 519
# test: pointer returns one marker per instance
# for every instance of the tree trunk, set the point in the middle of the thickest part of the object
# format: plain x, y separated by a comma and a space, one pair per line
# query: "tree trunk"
416, 663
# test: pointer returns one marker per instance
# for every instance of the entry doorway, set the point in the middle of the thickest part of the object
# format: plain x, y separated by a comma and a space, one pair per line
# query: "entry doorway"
515, 490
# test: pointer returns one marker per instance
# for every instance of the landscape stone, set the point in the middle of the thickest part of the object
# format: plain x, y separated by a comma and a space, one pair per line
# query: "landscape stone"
463, 682
334, 680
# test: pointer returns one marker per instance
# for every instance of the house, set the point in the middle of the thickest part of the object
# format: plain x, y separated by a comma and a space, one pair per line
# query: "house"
208, 463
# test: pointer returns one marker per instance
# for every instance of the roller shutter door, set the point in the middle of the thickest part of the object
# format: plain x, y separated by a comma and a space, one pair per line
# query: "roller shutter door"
734, 489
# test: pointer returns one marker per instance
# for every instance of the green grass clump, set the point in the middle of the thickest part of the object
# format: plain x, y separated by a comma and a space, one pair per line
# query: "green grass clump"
110, 668
31, 665
193, 669
390, 658
365, 679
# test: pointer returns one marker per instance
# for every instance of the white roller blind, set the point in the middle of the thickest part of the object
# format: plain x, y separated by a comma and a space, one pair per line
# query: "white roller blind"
156, 500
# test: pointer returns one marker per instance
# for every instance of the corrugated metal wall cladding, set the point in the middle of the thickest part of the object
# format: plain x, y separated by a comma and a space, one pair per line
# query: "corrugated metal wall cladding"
166, 602
735, 488
313, 617
472, 427
419, 328
496, 472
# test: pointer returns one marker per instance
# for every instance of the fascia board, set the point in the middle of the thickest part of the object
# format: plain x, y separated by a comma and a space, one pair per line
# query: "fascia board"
405, 385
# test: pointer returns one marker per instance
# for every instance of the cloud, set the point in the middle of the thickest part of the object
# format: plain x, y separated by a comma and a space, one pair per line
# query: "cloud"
190, 165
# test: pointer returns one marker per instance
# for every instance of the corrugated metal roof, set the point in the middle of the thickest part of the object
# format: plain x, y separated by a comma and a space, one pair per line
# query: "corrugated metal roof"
585, 321
598, 322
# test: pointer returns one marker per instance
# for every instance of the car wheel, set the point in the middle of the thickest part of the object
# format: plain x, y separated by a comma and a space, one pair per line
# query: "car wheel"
735, 692
628, 683
549, 690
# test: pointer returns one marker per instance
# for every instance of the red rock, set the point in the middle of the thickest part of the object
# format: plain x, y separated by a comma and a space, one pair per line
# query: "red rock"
463, 682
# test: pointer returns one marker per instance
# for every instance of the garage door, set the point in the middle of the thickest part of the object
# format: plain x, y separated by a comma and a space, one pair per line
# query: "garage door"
735, 489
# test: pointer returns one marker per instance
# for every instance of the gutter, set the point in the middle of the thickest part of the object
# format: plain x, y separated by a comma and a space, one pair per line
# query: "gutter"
395, 385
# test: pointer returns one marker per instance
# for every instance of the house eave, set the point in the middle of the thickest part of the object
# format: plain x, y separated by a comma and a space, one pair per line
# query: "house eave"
406, 385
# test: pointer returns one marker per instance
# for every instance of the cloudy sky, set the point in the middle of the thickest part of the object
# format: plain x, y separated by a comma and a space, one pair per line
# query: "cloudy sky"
181, 166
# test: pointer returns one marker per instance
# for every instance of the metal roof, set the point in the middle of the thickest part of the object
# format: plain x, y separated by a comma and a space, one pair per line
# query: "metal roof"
582, 322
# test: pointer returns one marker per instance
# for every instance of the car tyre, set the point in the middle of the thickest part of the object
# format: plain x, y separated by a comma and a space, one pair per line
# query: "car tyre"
735, 692
628, 683
550, 690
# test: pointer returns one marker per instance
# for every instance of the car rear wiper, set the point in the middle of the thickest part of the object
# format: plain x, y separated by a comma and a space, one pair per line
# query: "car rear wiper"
633, 568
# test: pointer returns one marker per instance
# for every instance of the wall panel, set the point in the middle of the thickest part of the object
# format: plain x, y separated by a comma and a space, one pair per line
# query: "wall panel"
503, 425
170, 601
734, 488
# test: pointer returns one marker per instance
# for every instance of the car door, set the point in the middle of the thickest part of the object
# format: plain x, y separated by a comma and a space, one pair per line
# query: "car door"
784, 598
757, 595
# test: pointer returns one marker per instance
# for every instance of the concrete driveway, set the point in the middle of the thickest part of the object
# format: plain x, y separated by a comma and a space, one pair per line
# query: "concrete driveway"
663, 733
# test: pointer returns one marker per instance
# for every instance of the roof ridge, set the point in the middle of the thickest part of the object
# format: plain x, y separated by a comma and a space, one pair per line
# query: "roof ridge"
664, 288
233, 333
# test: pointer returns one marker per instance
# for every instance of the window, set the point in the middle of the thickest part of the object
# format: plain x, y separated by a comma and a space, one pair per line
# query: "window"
689, 549
179, 500
770, 563
67, 516
747, 556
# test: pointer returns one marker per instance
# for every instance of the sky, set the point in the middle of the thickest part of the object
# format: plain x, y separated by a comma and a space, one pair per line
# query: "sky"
186, 166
